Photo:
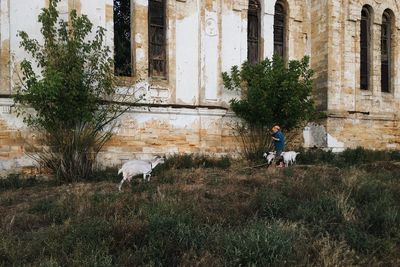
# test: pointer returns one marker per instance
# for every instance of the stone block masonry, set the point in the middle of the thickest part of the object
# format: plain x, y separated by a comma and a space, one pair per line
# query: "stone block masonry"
204, 38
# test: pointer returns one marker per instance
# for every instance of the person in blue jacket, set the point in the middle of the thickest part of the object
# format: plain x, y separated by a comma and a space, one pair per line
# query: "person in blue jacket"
279, 143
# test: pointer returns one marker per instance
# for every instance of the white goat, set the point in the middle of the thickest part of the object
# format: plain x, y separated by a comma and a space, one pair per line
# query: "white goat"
135, 167
289, 157
270, 157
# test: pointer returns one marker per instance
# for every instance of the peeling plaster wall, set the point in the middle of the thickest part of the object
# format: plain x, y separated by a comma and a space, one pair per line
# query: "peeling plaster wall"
204, 38
5, 86
187, 60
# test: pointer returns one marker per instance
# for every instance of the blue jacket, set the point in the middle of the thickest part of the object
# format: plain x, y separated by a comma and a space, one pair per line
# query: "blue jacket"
279, 144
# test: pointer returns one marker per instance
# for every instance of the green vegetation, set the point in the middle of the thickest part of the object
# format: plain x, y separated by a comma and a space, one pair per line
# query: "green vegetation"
230, 215
69, 83
348, 158
272, 92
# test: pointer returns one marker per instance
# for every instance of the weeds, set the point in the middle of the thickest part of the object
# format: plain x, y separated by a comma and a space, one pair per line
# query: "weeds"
306, 216
14, 181
260, 244
347, 158
188, 161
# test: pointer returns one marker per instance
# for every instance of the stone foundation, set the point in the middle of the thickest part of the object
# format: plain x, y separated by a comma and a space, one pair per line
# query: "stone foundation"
140, 133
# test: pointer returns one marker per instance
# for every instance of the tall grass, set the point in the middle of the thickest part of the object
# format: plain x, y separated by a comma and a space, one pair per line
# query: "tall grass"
316, 216
347, 158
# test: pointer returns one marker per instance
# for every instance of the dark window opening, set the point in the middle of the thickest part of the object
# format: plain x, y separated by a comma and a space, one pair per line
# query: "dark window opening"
365, 49
385, 52
122, 38
253, 31
157, 38
279, 29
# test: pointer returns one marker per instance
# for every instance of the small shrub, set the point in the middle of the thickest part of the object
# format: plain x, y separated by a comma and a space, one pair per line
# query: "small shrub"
317, 156
189, 161
349, 157
394, 155
271, 92
69, 82
14, 181
107, 174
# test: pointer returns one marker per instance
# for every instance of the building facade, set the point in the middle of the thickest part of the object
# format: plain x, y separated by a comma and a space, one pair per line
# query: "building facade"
178, 49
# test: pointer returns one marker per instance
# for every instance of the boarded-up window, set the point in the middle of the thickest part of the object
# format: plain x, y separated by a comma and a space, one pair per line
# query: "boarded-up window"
253, 31
122, 38
385, 52
157, 38
365, 43
279, 29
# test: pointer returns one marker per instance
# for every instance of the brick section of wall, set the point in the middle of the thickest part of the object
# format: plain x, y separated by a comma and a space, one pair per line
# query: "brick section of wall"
141, 133
168, 131
358, 130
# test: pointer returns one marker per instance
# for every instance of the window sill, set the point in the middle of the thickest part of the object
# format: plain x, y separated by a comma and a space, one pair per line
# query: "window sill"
365, 92
387, 95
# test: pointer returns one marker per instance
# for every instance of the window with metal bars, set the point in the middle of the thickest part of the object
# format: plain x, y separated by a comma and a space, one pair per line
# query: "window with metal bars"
253, 31
385, 52
365, 42
279, 29
157, 38
122, 38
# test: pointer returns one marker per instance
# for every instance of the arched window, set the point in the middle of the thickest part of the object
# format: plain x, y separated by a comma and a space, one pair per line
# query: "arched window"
280, 29
122, 38
157, 38
365, 44
253, 31
386, 53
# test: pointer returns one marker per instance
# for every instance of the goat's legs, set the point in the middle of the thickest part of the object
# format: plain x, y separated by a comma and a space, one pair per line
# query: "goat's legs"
120, 184
146, 176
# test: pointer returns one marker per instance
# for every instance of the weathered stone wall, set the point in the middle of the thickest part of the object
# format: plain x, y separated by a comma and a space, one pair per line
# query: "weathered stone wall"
319, 50
361, 130
140, 133
206, 37
368, 118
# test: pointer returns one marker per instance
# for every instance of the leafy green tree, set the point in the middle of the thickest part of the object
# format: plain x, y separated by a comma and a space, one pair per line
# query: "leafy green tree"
271, 93
67, 82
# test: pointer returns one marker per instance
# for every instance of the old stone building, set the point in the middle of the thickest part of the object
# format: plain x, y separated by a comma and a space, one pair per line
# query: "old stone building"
180, 47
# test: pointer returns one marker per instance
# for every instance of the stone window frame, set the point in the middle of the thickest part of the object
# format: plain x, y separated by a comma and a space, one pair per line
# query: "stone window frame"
369, 48
285, 9
254, 10
388, 13
164, 74
132, 42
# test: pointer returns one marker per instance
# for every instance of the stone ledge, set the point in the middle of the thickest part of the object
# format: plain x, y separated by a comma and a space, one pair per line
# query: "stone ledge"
5, 105
362, 115
199, 111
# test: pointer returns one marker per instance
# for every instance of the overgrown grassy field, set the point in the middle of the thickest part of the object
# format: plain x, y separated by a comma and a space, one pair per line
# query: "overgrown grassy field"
330, 211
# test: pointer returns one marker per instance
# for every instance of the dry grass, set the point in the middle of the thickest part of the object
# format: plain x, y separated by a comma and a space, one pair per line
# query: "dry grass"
303, 216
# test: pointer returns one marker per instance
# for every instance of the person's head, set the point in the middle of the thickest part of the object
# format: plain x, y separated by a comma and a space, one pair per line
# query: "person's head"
276, 128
